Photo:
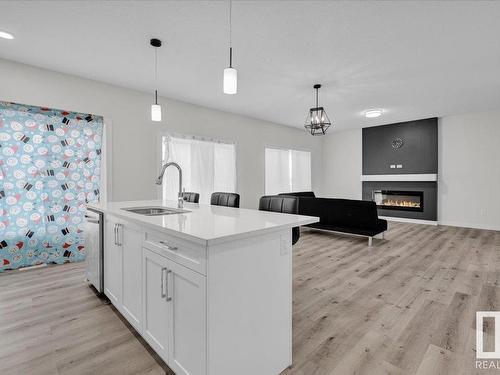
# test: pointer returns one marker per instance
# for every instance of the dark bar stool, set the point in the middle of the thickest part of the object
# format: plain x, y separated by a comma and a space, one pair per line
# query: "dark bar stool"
191, 197
225, 199
283, 204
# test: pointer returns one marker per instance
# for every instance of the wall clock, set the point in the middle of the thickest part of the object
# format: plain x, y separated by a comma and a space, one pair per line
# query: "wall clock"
397, 143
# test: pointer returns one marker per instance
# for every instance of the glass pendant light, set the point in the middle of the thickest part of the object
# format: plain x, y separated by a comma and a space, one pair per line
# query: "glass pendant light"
230, 74
317, 121
156, 108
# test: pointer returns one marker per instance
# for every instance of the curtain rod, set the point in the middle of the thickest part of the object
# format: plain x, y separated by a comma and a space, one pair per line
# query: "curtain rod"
199, 138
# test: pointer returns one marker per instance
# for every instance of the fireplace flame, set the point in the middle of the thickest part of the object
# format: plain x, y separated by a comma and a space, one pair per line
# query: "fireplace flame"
400, 203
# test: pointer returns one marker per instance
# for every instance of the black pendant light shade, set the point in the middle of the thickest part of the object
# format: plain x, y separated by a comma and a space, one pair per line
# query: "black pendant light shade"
155, 42
317, 121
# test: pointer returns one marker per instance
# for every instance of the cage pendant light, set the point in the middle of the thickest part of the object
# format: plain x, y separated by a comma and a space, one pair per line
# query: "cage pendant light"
230, 83
317, 121
156, 108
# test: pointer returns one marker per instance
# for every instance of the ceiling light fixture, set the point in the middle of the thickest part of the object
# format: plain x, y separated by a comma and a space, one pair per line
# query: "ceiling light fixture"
317, 121
156, 108
230, 74
372, 113
6, 35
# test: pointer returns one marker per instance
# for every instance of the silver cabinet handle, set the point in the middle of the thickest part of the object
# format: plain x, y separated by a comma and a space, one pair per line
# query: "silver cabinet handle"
168, 297
119, 234
172, 248
163, 294
114, 230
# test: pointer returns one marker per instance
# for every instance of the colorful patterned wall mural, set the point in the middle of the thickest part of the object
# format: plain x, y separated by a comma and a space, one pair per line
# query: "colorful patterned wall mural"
49, 170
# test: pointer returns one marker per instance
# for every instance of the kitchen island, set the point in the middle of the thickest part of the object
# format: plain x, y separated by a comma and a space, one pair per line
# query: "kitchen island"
210, 290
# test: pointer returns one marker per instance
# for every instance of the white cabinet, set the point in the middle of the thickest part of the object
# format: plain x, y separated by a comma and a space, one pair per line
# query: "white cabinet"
112, 263
130, 238
195, 303
161, 298
187, 315
123, 269
155, 305
174, 311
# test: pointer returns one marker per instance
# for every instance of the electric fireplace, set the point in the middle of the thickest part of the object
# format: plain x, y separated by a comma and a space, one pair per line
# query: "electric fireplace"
399, 200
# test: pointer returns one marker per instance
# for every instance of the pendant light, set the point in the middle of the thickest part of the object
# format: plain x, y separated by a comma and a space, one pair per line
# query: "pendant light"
317, 121
230, 74
156, 108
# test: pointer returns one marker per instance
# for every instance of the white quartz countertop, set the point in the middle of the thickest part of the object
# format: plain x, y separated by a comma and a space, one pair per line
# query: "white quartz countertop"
206, 224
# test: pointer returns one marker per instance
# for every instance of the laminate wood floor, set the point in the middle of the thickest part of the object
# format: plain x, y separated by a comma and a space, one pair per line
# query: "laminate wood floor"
404, 306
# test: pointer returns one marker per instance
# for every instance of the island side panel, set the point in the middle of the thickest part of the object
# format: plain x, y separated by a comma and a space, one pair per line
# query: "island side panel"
250, 305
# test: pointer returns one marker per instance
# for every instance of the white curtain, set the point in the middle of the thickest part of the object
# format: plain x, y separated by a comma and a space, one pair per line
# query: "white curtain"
224, 167
301, 170
207, 167
287, 171
277, 171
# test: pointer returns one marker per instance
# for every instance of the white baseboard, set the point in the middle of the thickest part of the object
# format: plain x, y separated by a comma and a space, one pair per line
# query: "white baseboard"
470, 225
406, 220
448, 223
29, 268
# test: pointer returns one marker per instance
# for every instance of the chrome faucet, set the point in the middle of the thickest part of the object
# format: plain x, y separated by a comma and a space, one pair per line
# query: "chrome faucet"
159, 181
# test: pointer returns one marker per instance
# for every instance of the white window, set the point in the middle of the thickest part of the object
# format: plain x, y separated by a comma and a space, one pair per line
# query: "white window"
287, 171
207, 166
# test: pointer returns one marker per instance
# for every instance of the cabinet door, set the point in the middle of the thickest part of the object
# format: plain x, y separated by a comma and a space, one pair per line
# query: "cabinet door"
130, 238
155, 327
186, 292
112, 264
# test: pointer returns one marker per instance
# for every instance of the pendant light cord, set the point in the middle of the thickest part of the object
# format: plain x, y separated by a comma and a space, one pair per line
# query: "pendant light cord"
156, 65
230, 23
156, 75
230, 34
317, 90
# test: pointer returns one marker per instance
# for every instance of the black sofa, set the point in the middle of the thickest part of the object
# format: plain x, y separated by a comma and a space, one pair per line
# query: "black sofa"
341, 215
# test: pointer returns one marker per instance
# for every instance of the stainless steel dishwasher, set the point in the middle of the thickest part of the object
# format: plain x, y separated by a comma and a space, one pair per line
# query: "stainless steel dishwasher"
94, 246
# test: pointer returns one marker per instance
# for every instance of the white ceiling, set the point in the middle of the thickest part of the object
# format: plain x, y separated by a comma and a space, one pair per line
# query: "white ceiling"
413, 59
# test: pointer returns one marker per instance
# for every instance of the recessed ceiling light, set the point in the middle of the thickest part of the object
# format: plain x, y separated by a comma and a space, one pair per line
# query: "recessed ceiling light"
6, 35
371, 113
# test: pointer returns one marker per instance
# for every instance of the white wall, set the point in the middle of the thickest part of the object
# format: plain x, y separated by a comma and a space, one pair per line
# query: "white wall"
135, 159
469, 169
342, 161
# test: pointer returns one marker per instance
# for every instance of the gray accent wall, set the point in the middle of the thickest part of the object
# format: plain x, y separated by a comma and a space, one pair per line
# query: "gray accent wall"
417, 155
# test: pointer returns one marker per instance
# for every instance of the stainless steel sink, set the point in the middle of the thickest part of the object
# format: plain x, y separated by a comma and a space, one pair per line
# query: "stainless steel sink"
155, 210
